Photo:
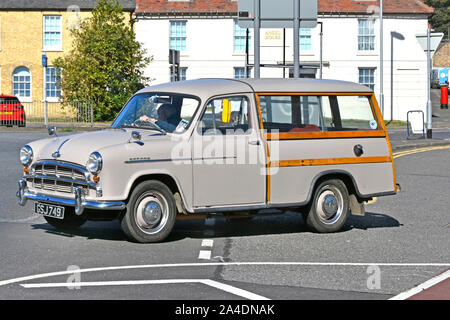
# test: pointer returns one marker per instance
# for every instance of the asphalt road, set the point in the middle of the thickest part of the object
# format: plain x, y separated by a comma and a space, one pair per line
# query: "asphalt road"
402, 241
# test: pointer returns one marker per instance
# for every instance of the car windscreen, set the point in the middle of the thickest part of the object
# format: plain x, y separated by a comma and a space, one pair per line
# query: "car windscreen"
166, 112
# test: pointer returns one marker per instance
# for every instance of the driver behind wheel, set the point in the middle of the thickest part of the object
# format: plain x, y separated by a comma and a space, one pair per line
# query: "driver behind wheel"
168, 118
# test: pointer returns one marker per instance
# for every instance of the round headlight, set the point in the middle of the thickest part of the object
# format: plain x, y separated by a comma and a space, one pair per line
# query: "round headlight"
26, 155
95, 163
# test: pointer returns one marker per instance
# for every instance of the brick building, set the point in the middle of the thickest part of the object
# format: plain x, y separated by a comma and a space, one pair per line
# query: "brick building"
441, 58
28, 29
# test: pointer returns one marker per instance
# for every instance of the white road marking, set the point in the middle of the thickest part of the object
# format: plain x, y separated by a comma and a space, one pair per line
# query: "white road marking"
215, 264
221, 286
236, 291
205, 254
427, 284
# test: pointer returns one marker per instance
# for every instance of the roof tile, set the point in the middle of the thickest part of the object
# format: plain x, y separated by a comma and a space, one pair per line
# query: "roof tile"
324, 6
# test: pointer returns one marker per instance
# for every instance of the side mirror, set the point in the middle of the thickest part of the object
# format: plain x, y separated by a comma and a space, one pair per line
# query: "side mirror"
52, 131
226, 110
136, 135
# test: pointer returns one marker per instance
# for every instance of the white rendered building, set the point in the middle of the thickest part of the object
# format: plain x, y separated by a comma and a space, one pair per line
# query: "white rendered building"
212, 45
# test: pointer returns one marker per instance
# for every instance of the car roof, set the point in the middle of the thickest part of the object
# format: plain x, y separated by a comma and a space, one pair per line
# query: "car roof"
7, 96
217, 86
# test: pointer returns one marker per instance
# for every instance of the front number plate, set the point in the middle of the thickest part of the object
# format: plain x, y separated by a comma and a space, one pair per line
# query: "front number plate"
49, 210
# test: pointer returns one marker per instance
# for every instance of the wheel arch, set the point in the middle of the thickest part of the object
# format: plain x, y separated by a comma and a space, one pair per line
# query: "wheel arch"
345, 176
165, 178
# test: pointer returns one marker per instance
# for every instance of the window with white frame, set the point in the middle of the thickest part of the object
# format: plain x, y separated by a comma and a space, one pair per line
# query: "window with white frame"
366, 35
367, 77
239, 73
52, 82
305, 39
22, 82
182, 74
52, 33
178, 35
239, 38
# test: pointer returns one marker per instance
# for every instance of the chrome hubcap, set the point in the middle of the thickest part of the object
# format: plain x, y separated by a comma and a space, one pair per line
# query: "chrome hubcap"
329, 204
151, 212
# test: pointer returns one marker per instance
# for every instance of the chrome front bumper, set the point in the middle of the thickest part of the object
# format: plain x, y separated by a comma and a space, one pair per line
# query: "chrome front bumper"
78, 202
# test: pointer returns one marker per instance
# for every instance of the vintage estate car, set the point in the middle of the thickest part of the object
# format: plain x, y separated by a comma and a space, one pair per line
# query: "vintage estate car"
187, 149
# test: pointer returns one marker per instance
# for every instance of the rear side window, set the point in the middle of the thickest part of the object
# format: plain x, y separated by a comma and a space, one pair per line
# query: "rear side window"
309, 113
356, 113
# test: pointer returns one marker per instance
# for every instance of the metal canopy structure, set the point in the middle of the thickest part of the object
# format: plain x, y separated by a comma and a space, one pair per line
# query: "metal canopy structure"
277, 14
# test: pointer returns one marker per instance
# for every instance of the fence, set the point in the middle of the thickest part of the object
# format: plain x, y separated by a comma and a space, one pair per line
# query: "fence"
41, 113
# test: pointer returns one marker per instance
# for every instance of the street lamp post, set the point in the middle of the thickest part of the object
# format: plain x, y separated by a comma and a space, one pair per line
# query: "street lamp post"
398, 36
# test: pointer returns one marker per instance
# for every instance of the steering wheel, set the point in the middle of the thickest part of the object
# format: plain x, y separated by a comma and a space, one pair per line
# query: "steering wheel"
142, 123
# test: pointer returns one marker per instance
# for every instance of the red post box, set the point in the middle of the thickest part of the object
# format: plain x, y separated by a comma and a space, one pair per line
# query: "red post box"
444, 96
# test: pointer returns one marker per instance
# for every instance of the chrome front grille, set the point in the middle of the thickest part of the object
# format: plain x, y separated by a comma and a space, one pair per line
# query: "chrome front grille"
59, 177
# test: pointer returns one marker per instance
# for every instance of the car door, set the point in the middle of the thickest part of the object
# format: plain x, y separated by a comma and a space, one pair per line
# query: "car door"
228, 154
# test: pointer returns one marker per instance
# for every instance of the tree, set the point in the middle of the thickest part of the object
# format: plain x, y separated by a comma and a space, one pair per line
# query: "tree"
106, 63
440, 21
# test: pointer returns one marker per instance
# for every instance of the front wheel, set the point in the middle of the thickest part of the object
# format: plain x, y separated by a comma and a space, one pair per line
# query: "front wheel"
151, 213
329, 208
70, 222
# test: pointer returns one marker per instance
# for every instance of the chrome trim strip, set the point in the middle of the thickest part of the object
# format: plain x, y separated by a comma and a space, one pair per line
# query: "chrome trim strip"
57, 154
104, 205
179, 159
62, 164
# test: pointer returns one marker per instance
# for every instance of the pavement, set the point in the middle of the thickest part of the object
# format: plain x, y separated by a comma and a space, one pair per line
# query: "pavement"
440, 132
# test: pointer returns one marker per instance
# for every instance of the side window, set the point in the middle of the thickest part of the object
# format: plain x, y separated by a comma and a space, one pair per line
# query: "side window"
356, 113
217, 120
292, 113
309, 113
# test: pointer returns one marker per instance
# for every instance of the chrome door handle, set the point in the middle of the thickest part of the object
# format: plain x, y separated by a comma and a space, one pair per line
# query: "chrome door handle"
254, 143
358, 150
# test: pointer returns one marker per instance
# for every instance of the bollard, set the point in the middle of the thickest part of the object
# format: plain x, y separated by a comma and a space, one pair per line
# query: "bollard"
444, 96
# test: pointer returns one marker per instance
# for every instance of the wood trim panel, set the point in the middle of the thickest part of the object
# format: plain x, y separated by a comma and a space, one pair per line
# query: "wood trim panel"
325, 135
376, 107
330, 161
310, 93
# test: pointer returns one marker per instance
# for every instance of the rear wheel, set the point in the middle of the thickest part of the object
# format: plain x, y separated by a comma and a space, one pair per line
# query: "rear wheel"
151, 213
329, 208
70, 222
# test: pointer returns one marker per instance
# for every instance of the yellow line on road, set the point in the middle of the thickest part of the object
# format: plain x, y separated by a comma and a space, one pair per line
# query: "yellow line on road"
413, 151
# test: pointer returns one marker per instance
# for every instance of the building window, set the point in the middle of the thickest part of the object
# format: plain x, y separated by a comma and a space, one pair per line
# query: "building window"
178, 35
305, 39
240, 35
366, 35
52, 82
239, 72
22, 82
367, 77
182, 74
52, 33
